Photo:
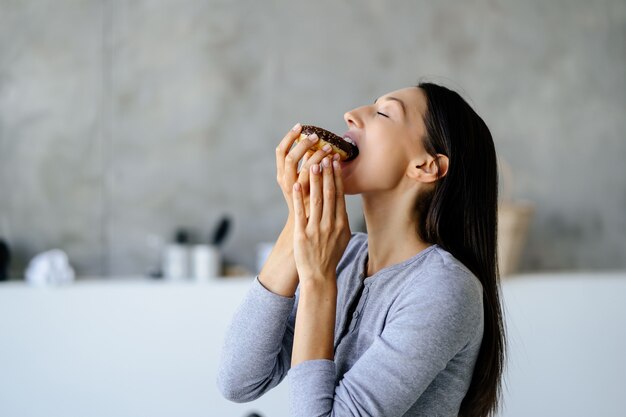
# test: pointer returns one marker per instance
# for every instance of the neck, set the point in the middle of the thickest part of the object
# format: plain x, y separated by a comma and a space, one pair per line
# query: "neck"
392, 230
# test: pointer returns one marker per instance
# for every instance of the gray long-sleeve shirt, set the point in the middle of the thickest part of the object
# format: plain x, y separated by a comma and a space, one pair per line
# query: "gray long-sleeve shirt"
406, 341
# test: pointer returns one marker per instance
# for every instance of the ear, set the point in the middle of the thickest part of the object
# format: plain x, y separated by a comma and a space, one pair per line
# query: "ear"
430, 169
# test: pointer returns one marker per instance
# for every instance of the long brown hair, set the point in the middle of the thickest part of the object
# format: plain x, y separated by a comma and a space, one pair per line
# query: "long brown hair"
460, 215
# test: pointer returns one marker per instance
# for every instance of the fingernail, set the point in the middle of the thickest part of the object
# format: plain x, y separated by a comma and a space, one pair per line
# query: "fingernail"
296, 186
336, 157
326, 162
315, 168
326, 148
313, 137
296, 127
336, 164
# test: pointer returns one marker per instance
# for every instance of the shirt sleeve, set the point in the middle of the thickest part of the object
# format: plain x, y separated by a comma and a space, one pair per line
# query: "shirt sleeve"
425, 330
256, 353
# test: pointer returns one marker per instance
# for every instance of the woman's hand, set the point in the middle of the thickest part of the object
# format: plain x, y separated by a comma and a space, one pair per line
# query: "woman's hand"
279, 273
320, 238
287, 160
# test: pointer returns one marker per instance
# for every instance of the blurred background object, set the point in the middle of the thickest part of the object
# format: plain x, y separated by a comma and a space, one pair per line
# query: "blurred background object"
513, 222
5, 260
50, 268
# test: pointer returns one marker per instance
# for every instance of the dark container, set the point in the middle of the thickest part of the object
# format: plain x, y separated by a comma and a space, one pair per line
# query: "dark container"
5, 260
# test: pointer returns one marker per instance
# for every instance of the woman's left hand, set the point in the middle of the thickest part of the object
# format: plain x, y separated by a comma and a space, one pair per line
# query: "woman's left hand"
321, 239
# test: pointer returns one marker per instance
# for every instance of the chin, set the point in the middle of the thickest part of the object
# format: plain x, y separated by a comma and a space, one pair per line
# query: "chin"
346, 176
351, 187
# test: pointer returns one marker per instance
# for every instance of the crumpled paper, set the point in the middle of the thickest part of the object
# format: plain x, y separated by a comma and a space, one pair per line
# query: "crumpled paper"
50, 268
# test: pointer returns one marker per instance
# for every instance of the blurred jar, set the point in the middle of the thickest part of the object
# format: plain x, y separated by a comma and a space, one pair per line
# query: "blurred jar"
206, 262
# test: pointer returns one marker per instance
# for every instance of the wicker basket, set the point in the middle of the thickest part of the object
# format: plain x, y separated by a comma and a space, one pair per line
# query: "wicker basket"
513, 222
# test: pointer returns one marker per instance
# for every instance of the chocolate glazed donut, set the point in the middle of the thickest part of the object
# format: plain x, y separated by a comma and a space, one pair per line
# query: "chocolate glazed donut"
346, 150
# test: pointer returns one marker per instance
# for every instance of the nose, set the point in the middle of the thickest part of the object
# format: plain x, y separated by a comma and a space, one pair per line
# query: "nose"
352, 118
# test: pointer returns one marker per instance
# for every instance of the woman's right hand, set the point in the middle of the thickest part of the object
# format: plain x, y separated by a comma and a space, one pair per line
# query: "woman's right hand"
287, 160
279, 273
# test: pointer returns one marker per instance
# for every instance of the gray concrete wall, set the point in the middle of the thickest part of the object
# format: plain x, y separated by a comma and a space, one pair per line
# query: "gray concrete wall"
120, 121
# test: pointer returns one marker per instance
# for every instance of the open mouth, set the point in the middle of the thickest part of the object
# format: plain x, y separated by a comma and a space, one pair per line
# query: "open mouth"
350, 141
352, 148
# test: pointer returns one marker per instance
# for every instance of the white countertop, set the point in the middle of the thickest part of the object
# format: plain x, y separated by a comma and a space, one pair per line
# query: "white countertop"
136, 346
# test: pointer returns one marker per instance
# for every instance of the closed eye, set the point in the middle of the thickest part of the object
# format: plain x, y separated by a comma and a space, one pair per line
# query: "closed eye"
382, 114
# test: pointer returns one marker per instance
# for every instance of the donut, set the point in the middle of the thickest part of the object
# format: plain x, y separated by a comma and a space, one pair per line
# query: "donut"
347, 151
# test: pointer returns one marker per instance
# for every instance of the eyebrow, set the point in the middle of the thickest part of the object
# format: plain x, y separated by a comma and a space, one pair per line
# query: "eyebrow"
398, 100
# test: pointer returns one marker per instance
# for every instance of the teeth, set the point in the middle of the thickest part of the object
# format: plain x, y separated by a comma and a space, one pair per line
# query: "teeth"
347, 139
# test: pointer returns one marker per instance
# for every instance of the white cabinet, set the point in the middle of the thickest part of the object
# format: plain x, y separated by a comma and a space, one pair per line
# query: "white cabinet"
124, 347
119, 348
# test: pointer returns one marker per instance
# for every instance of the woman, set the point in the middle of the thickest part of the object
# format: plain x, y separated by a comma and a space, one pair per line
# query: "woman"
404, 320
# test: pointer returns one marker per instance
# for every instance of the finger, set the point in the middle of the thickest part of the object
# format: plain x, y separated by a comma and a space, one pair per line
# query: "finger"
296, 153
298, 208
340, 200
315, 158
315, 196
283, 148
305, 158
328, 206
318, 155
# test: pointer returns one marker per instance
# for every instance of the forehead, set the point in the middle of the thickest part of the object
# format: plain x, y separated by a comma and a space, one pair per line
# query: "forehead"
414, 100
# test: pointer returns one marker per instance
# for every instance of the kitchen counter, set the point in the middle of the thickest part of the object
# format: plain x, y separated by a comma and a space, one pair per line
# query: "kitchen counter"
117, 348
134, 346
